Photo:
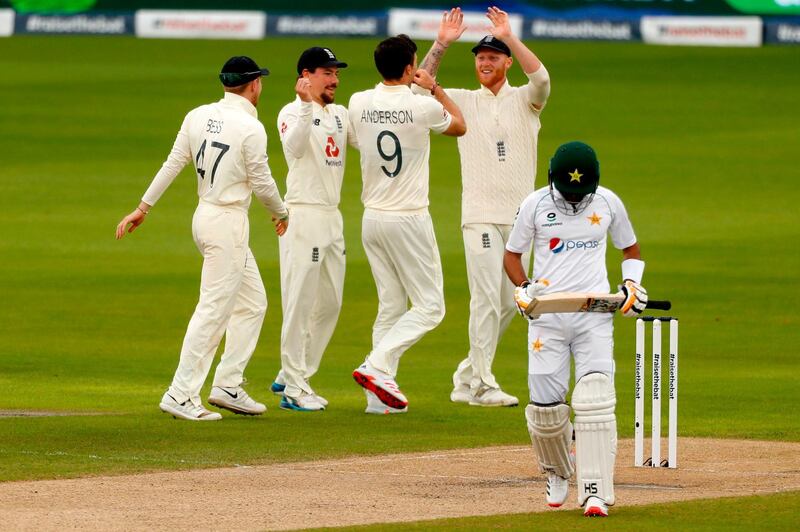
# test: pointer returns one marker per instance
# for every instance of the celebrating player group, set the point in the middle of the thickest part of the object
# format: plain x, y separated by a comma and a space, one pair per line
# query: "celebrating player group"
503, 219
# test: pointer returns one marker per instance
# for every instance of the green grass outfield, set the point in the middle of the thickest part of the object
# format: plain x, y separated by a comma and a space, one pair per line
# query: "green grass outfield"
700, 143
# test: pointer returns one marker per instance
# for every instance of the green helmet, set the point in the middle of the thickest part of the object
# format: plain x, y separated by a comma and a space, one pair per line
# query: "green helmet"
574, 173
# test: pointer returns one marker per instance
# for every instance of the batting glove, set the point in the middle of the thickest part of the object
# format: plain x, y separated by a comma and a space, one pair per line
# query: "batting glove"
525, 294
635, 299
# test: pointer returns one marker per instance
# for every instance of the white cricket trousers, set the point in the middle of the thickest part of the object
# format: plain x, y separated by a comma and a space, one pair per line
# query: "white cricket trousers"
552, 338
404, 258
312, 281
491, 305
232, 302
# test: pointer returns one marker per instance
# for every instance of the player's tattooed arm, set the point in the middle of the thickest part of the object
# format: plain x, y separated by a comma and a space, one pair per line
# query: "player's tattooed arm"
433, 58
450, 29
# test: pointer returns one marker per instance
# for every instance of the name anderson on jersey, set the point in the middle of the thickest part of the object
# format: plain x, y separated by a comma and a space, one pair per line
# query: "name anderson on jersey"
402, 116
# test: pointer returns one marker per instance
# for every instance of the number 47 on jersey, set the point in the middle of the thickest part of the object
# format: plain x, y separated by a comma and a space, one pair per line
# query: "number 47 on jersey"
201, 159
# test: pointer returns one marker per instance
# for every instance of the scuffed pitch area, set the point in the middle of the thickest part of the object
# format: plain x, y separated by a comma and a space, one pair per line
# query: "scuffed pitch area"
47, 413
392, 488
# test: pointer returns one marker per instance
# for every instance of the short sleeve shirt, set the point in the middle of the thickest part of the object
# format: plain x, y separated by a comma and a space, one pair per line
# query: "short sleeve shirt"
569, 251
392, 126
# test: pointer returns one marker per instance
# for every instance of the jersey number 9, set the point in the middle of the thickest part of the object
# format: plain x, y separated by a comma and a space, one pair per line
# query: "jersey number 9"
396, 153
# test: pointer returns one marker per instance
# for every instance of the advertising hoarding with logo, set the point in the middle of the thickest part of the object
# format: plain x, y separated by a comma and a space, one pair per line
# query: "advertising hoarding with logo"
782, 32
593, 30
84, 23
162, 24
6, 22
424, 24
326, 25
702, 31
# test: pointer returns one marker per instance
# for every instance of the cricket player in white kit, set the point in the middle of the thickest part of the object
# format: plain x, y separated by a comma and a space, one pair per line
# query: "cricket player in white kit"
392, 127
314, 132
568, 223
227, 145
498, 169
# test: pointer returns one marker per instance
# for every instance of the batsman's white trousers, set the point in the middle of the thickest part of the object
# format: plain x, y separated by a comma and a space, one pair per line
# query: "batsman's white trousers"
232, 302
588, 337
491, 305
404, 258
312, 281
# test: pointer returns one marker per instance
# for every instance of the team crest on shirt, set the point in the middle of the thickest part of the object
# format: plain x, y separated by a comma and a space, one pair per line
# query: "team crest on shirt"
284, 127
537, 345
594, 219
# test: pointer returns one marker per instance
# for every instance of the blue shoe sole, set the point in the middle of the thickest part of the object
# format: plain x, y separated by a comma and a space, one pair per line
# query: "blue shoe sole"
277, 389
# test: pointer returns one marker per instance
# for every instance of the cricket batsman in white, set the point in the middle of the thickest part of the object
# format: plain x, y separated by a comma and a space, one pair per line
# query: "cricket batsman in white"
498, 170
314, 132
568, 223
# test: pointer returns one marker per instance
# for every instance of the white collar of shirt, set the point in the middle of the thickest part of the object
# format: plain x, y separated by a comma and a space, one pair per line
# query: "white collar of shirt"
241, 102
505, 88
392, 88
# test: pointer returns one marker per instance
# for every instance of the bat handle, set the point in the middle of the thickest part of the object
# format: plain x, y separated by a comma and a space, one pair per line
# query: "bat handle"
656, 304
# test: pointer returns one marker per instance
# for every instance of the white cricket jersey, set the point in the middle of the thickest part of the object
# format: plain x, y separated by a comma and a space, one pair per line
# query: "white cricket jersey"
228, 146
498, 152
392, 125
314, 143
570, 251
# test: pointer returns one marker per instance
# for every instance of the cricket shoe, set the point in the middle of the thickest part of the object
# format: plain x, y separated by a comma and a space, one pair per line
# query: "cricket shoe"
277, 388
305, 403
557, 489
236, 400
322, 400
186, 410
595, 507
375, 406
461, 394
381, 384
486, 396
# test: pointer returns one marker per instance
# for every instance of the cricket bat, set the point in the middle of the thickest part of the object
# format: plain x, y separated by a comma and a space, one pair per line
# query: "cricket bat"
584, 302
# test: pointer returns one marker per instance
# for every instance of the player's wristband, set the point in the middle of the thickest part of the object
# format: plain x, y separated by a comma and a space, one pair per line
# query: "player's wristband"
524, 284
433, 89
633, 269
142, 211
